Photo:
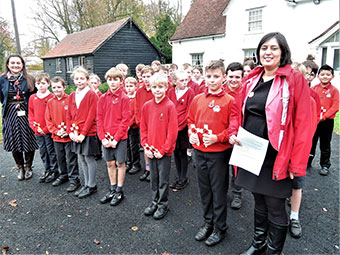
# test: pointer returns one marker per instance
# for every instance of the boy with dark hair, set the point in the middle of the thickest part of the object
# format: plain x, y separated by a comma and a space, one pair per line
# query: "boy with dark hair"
234, 74
143, 95
133, 165
113, 117
329, 97
158, 129
208, 121
36, 118
56, 123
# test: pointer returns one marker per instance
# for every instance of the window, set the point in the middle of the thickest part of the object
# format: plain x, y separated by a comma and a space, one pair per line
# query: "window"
324, 56
58, 65
197, 59
255, 20
81, 61
249, 53
336, 60
69, 64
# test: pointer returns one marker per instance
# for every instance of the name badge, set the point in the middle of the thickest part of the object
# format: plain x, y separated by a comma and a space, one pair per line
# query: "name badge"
21, 113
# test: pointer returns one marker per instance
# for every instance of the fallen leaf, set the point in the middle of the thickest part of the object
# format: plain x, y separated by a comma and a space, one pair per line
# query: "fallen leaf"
87, 214
13, 203
69, 215
336, 246
134, 228
96, 241
47, 252
2, 176
6, 193
4, 250
324, 209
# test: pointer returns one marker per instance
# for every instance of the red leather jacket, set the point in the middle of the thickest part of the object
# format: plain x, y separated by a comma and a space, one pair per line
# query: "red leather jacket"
297, 132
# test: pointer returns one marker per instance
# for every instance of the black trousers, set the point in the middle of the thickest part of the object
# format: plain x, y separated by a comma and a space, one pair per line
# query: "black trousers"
324, 132
274, 207
159, 183
133, 155
235, 189
47, 152
213, 184
67, 161
181, 160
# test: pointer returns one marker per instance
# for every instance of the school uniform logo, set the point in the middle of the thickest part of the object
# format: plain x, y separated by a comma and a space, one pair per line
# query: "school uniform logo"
217, 108
65, 107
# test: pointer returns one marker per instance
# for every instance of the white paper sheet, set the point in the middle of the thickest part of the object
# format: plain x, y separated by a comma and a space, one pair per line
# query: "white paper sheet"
250, 155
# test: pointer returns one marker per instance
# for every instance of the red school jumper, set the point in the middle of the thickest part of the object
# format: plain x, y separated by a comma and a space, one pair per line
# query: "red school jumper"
194, 86
84, 117
132, 123
159, 126
232, 93
329, 97
55, 117
182, 106
113, 115
36, 113
210, 113
142, 96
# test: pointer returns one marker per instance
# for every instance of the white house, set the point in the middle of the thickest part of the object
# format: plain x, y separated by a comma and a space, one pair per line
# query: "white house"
232, 29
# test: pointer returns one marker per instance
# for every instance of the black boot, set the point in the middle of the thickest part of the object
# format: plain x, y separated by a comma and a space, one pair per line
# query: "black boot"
29, 156
276, 238
259, 244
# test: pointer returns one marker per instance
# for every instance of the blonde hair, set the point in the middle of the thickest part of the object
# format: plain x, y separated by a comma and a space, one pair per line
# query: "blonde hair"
186, 66
299, 67
215, 64
122, 66
147, 69
131, 80
159, 79
156, 62
80, 69
96, 77
175, 74
114, 73
139, 67
42, 76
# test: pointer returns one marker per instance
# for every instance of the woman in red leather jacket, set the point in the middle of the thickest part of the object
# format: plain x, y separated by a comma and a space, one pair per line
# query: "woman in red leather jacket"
274, 104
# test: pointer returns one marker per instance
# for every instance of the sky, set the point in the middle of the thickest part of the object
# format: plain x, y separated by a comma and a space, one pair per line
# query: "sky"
27, 26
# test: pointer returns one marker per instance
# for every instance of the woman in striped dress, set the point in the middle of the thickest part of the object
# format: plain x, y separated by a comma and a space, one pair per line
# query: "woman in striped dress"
16, 86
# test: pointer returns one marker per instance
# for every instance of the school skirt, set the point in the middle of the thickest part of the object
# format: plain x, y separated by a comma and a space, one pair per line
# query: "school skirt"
89, 147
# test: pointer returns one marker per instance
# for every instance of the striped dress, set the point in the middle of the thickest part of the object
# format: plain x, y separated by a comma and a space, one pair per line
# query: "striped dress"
17, 134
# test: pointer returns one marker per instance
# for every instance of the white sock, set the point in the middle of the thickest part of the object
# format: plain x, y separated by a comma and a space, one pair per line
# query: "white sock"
294, 215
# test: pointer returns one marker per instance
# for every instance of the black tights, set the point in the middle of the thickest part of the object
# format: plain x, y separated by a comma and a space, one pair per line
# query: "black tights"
19, 157
274, 207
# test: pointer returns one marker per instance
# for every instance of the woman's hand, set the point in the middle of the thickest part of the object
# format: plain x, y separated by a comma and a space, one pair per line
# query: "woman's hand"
234, 140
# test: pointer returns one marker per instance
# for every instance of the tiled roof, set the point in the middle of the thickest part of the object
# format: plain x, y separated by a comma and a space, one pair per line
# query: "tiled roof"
204, 18
86, 41
325, 32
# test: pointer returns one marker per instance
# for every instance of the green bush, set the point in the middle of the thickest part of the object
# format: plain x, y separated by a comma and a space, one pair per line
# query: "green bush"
103, 88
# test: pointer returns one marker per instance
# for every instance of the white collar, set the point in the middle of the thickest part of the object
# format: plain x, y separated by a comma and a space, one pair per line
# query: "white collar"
43, 95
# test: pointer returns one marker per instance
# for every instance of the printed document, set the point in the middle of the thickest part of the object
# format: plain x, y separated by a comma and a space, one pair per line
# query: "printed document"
250, 155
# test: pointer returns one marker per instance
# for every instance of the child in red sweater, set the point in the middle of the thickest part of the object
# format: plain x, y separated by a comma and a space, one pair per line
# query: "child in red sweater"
133, 159
113, 118
191, 84
94, 83
329, 97
36, 117
143, 95
55, 117
158, 128
181, 96
234, 74
81, 127
139, 69
208, 122
197, 76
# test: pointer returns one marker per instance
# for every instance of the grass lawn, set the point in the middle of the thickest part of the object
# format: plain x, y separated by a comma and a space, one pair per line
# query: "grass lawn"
337, 124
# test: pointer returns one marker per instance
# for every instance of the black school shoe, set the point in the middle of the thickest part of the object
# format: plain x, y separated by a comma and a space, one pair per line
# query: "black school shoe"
51, 177
88, 191
204, 232
108, 197
182, 185
134, 170
295, 229
324, 171
74, 185
43, 177
60, 180
144, 176
150, 210
160, 213
215, 237
80, 190
117, 198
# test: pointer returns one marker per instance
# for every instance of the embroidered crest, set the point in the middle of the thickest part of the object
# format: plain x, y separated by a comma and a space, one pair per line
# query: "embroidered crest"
66, 107
212, 104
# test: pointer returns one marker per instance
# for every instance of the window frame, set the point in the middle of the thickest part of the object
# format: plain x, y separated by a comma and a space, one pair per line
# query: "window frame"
58, 65
199, 59
255, 18
69, 68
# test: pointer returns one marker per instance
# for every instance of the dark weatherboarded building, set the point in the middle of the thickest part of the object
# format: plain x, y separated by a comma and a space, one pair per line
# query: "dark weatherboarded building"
100, 48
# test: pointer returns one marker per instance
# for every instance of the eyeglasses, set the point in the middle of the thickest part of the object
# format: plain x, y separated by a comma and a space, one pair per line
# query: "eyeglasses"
310, 75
